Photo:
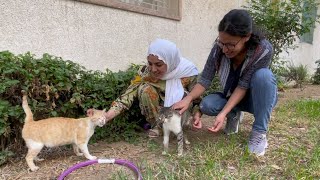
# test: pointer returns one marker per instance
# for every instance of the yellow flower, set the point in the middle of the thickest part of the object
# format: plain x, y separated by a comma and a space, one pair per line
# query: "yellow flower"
136, 80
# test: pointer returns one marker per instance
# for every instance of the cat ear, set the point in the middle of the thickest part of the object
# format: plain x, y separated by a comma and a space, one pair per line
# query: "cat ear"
90, 112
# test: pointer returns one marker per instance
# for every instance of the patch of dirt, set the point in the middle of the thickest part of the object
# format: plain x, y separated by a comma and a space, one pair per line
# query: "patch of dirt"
59, 159
147, 150
308, 91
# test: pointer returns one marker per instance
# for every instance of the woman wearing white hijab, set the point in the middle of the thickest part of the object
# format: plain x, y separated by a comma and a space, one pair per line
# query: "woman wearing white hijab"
162, 82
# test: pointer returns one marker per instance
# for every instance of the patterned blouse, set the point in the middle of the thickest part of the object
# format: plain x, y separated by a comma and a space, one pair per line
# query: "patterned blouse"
125, 101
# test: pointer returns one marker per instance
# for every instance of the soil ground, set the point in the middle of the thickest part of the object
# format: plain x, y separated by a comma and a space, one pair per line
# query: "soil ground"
59, 159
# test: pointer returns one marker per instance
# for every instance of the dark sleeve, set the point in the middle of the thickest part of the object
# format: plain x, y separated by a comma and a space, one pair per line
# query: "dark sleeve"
209, 69
261, 59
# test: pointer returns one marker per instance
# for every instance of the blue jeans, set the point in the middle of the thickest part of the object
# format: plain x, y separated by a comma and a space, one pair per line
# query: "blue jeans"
259, 100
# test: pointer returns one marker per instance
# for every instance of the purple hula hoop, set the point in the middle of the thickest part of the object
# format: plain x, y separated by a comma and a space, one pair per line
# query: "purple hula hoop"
122, 162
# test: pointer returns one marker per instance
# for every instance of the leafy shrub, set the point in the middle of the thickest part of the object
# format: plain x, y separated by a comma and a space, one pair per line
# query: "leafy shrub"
58, 87
316, 76
214, 87
281, 82
299, 74
282, 22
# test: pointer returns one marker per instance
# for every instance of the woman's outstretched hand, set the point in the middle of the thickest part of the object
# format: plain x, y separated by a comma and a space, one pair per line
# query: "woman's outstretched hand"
110, 114
218, 123
182, 105
197, 120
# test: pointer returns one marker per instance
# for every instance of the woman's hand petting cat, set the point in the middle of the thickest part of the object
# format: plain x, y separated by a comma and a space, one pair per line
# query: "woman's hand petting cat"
218, 123
109, 115
182, 105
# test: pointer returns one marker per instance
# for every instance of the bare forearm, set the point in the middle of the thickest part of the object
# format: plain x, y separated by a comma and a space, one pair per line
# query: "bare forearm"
111, 113
196, 92
235, 98
184, 104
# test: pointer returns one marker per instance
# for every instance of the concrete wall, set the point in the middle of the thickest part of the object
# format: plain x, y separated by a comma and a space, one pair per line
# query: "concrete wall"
306, 53
99, 37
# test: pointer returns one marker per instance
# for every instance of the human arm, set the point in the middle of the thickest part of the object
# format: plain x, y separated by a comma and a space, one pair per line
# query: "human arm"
196, 113
184, 104
126, 99
123, 102
234, 99
203, 83
110, 114
260, 57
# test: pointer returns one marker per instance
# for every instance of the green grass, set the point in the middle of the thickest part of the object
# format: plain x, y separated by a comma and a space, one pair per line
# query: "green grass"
299, 122
293, 153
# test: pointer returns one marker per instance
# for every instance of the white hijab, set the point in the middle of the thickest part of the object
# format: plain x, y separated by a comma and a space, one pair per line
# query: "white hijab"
177, 68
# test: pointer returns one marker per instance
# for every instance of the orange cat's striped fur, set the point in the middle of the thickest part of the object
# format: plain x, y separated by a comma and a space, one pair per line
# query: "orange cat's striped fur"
58, 131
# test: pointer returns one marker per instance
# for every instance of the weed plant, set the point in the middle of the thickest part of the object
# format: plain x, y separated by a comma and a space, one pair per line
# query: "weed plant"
316, 76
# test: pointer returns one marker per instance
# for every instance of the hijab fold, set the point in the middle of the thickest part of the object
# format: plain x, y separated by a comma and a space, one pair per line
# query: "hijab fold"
177, 67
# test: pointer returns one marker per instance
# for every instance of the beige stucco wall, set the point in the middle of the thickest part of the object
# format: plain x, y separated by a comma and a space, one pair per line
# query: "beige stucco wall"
306, 53
99, 37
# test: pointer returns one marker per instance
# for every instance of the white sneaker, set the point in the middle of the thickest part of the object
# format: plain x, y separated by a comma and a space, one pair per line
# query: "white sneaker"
258, 143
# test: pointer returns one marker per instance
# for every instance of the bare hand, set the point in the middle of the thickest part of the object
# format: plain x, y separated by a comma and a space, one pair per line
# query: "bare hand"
90, 112
218, 123
110, 114
197, 120
183, 105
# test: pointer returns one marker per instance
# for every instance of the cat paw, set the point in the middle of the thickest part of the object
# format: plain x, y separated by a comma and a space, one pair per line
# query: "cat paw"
35, 168
38, 159
187, 142
92, 157
180, 155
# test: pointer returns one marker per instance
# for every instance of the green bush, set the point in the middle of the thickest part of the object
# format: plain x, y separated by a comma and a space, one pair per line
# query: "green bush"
214, 87
299, 74
283, 22
58, 87
316, 76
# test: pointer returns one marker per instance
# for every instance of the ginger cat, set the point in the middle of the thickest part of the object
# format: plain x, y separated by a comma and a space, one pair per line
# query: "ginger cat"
58, 131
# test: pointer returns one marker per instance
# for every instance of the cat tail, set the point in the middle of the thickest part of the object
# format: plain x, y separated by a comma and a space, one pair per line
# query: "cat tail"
26, 108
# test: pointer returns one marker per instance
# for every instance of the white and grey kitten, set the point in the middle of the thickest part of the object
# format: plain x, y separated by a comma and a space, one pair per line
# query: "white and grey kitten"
172, 121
